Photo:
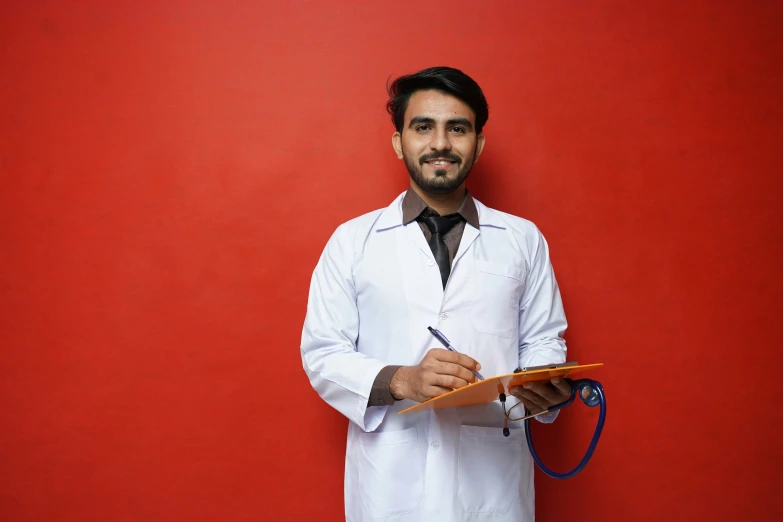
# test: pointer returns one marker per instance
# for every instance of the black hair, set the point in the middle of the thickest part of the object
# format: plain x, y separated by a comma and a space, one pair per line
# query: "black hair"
443, 79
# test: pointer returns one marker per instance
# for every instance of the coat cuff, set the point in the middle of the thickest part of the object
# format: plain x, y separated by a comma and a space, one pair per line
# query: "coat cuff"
380, 394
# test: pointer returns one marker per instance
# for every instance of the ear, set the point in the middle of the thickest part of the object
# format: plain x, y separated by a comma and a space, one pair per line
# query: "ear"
397, 144
480, 140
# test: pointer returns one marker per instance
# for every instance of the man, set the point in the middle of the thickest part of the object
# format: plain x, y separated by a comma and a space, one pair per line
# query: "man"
434, 257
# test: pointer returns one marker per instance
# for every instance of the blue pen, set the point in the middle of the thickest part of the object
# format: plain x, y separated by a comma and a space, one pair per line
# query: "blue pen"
445, 342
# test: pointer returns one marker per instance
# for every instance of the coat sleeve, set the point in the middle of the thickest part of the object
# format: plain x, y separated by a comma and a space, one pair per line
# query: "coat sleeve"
542, 321
340, 374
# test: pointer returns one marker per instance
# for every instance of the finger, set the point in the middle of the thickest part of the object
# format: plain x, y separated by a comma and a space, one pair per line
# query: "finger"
562, 385
445, 368
436, 356
526, 396
440, 365
516, 391
530, 398
449, 381
532, 407
456, 358
544, 390
435, 391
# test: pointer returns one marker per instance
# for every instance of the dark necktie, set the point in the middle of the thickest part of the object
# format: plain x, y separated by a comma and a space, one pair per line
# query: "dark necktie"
439, 226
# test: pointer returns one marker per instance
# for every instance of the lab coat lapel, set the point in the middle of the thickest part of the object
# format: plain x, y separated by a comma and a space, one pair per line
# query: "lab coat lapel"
391, 217
420, 280
487, 217
469, 235
415, 235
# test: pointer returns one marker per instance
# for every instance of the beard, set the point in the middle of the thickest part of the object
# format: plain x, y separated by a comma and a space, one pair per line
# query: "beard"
441, 183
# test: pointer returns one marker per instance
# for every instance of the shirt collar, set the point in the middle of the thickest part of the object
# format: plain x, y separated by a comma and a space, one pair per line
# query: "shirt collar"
413, 206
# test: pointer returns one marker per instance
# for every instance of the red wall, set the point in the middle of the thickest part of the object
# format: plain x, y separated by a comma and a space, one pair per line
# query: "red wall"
169, 172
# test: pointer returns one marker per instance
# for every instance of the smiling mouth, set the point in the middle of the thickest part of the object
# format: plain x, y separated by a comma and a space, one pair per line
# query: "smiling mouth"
440, 163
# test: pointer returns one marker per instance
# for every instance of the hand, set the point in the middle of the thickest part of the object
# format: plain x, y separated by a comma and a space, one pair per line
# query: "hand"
439, 372
538, 396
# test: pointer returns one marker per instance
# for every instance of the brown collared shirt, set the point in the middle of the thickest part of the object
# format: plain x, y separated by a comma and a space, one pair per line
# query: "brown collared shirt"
412, 208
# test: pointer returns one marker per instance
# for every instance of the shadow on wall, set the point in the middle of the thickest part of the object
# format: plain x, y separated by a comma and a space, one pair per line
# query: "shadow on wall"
481, 183
490, 183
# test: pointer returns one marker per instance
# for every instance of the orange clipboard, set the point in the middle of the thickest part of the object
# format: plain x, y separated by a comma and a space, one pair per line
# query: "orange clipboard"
490, 388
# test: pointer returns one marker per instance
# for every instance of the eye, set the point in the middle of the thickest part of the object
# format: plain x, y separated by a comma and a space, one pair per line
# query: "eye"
460, 130
423, 127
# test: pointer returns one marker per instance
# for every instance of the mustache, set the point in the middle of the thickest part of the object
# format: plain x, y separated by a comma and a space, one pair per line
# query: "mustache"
448, 156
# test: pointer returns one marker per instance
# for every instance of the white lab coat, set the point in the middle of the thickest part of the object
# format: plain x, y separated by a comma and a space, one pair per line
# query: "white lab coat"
373, 293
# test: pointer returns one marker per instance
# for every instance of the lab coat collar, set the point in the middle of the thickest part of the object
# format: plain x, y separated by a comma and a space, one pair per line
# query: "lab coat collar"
489, 217
391, 216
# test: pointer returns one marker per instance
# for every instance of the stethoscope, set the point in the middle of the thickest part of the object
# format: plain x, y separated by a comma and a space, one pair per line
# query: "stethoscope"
592, 394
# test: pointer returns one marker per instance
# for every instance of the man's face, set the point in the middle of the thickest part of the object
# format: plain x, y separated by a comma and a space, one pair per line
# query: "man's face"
438, 141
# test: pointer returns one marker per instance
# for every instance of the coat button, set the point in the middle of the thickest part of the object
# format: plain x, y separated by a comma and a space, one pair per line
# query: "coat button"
444, 316
435, 445
430, 262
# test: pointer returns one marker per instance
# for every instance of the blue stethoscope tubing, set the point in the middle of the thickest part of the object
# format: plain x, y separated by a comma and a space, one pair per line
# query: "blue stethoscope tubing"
592, 394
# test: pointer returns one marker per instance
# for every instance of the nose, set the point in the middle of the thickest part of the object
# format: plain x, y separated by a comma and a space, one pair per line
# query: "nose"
440, 140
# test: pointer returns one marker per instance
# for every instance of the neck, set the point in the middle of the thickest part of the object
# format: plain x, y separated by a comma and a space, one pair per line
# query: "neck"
443, 204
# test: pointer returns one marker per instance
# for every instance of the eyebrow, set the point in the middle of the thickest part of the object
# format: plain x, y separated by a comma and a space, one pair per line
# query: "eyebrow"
454, 121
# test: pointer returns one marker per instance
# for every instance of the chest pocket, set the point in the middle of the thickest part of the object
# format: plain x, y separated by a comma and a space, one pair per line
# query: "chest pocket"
496, 296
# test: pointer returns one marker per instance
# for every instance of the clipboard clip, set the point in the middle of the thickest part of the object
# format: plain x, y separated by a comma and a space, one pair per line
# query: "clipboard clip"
552, 366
